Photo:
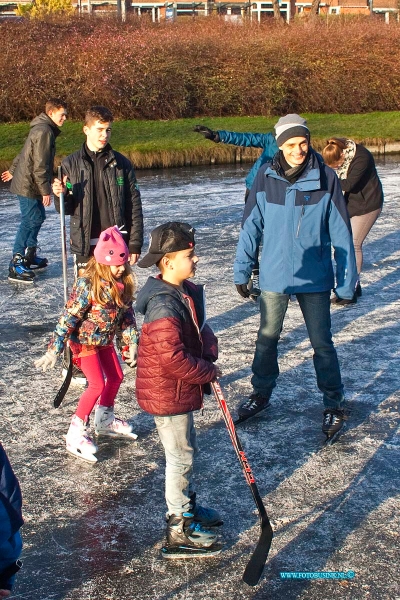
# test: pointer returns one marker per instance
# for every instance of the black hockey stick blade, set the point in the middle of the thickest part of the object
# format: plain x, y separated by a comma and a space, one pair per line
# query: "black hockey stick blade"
255, 566
65, 384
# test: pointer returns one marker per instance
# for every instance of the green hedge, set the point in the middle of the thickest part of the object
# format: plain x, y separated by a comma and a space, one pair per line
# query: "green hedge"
199, 67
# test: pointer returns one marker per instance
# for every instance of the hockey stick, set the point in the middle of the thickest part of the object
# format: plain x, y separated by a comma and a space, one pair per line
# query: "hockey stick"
65, 384
63, 237
255, 566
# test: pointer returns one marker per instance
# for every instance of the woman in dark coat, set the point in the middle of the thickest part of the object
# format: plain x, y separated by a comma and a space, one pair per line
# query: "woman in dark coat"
362, 188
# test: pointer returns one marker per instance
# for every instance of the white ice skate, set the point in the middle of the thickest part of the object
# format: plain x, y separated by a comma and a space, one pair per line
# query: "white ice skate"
78, 441
106, 423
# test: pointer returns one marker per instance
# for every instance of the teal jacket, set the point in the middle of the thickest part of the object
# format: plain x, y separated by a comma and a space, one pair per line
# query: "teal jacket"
252, 140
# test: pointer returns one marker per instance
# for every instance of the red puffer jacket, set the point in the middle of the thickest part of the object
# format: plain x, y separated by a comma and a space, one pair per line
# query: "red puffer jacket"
175, 350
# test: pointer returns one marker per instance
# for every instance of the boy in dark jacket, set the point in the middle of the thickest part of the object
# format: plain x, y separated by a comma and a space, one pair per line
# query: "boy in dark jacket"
10, 524
30, 174
175, 360
100, 191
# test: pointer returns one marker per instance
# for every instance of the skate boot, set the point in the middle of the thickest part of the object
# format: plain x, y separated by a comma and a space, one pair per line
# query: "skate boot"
254, 286
333, 421
35, 262
207, 517
106, 423
79, 442
186, 539
253, 405
19, 270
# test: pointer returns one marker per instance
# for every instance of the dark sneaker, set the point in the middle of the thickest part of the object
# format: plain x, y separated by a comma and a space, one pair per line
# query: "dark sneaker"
253, 405
34, 261
332, 421
208, 517
358, 290
19, 271
186, 539
336, 301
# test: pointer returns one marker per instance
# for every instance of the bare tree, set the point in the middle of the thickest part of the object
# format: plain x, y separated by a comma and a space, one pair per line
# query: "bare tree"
315, 8
277, 11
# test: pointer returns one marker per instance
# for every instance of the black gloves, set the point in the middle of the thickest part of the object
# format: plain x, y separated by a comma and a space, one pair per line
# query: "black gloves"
208, 133
243, 290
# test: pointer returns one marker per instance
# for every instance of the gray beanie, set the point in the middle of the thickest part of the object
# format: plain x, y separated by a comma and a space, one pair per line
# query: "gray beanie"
291, 126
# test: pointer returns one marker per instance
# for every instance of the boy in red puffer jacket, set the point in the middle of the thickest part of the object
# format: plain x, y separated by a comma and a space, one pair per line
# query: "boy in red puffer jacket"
175, 360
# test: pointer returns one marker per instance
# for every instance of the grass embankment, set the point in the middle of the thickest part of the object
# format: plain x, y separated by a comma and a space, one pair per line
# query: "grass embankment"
173, 143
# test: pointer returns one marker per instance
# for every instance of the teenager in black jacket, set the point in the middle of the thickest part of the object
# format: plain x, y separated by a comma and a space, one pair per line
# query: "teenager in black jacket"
100, 191
362, 188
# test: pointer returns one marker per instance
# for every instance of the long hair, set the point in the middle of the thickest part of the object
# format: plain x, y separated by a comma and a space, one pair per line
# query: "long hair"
98, 273
333, 150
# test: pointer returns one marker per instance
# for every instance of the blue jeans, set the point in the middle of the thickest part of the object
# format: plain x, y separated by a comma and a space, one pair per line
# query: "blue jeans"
178, 436
32, 217
316, 312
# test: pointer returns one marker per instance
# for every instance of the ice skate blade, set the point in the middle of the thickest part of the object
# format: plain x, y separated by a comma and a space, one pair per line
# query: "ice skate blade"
330, 440
184, 552
130, 436
90, 458
23, 281
240, 420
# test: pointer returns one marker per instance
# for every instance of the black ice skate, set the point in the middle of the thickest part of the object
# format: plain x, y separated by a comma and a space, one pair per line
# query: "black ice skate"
186, 539
19, 271
34, 261
254, 404
333, 424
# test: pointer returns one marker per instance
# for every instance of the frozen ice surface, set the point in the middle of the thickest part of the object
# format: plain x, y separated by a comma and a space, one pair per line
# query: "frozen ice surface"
95, 532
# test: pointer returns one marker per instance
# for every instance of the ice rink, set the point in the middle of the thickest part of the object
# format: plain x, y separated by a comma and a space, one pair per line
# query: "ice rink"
95, 532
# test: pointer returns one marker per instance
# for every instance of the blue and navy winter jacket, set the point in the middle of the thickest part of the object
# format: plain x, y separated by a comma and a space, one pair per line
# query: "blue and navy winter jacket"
297, 224
252, 140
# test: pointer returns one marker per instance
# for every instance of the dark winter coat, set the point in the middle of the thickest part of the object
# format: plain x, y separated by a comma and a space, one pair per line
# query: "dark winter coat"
266, 141
10, 519
296, 224
32, 169
125, 206
176, 348
86, 322
362, 187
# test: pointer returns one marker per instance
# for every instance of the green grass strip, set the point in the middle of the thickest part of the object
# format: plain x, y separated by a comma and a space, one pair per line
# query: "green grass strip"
173, 143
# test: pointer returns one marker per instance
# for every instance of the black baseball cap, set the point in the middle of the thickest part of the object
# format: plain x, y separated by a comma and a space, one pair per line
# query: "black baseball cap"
169, 237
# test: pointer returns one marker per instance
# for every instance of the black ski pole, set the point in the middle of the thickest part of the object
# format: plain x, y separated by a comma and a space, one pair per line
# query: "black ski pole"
255, 566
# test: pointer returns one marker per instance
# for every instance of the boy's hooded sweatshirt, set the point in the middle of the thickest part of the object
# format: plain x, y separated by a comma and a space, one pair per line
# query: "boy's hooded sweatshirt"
176, 348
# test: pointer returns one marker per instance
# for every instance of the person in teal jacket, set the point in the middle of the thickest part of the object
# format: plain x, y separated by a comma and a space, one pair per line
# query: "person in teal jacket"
267, 142
297, 212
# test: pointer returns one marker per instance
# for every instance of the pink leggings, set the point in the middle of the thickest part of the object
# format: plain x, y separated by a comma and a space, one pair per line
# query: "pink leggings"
104, 376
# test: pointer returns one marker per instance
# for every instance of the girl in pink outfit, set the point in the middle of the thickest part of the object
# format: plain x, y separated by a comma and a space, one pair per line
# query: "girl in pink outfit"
99, 307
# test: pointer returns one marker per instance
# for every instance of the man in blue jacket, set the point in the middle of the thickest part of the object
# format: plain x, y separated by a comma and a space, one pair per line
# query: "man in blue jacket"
297, 212
267, 142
